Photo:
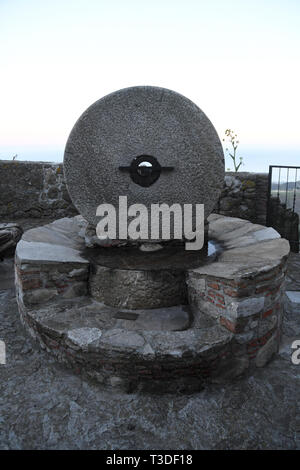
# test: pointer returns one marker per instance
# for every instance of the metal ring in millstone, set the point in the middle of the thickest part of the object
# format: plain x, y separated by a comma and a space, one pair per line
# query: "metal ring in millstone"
140, 121
146, 175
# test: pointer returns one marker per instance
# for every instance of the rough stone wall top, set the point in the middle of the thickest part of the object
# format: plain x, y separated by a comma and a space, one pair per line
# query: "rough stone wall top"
143, 121
244, 195
33, 189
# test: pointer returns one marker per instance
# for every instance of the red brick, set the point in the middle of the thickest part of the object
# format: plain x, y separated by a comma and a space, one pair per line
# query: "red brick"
220, 299
228, 324
231, 292
267, 313
211, 293
25, 274
29, 284
213, 285
220, 306
238, 284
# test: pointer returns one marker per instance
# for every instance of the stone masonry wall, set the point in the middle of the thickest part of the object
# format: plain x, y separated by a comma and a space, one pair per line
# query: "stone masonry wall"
37, 189
33, 189
245, 196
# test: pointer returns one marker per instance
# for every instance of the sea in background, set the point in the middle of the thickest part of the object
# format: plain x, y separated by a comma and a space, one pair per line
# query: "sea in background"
256, 159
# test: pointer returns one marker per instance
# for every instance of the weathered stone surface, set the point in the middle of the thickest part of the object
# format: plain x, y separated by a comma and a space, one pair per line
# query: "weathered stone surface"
251, 237
84, 336
218, 227
57, 242
267, 233
119, 338
292, 311
293, 301
66, 232
33, 189
234, 270
138, 289
143, 121
245, 308
244, 195
45, 406
258, 252
35, 252
39, 296
161, 319
10, 234
267, 351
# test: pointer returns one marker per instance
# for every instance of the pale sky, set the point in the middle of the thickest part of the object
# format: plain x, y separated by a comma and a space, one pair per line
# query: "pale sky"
238, 60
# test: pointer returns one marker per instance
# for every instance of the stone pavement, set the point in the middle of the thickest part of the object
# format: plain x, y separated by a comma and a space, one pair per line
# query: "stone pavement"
45, 406
293, 277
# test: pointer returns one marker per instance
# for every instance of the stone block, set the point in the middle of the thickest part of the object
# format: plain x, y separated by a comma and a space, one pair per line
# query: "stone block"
245, 308
267, 351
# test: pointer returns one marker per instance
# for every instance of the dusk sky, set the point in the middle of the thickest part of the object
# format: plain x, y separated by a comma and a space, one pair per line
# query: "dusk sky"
238, 60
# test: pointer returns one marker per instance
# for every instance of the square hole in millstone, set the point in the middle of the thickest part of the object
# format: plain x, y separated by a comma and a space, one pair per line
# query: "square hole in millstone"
126, 315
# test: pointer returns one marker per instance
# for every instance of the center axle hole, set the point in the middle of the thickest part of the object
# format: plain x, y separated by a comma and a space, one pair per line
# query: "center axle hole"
144, 168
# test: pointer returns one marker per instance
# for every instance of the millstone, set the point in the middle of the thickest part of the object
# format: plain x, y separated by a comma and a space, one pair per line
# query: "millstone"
176, 144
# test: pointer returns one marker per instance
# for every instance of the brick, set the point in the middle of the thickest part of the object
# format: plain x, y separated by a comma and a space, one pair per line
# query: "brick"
248, 307
220, 299
231, 292
24, 273
268, 313
30, 284
237, 284
220, 306
228, 324
213, 285
211, 293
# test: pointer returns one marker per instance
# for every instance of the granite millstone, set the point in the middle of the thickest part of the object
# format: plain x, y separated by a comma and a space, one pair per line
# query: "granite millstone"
143, 121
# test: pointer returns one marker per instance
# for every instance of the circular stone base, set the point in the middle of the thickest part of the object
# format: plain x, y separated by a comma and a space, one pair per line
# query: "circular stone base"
232, 321
129, 278
150, 349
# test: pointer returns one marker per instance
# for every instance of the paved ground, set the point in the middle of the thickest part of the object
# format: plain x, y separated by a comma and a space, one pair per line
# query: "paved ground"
45, 406
293, 278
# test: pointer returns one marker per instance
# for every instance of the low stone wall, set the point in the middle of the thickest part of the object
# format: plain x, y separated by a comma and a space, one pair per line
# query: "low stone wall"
232, 323
245, 196
285, 221
36, 189
33, 189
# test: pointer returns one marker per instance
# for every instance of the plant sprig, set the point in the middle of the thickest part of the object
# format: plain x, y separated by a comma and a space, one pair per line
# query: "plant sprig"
231, 137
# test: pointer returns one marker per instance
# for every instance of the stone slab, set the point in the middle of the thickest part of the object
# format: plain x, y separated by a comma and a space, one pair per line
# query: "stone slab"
258, 252
84, 336
161, 319
246, 307
293, 299
43, 253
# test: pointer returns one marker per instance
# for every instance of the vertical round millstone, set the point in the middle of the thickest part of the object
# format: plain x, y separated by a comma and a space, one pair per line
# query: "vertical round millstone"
183, 156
